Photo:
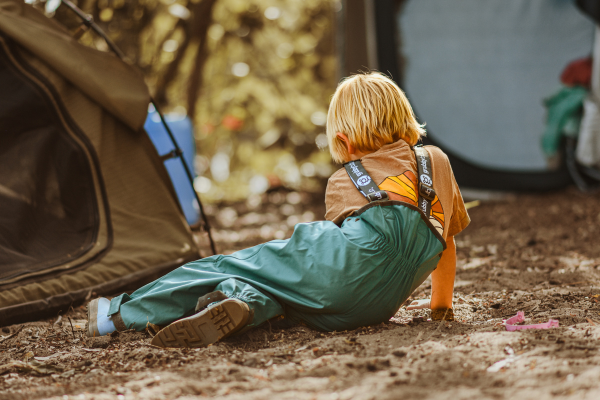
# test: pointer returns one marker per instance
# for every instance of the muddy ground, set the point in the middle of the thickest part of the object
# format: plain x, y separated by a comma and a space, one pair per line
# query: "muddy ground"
535, 253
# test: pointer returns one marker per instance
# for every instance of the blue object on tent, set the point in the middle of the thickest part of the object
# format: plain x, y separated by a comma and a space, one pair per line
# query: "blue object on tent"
182, 129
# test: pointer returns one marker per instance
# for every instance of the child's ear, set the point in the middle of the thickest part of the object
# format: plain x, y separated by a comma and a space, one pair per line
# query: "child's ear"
344, 138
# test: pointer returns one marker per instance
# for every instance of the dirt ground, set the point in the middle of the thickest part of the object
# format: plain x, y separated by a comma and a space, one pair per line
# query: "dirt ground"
537, 253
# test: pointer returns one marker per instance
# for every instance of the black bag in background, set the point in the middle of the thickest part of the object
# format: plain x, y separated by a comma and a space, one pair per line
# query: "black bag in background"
591, 8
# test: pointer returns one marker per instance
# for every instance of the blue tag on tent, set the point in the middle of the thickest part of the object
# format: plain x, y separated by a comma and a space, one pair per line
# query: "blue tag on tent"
182, 129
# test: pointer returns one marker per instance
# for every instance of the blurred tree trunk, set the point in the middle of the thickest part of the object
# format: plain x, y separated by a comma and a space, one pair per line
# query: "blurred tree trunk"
171, 72
202, 21
196, 30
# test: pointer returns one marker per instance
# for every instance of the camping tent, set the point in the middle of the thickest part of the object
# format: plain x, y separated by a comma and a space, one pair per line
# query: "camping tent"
86, 204
477, 73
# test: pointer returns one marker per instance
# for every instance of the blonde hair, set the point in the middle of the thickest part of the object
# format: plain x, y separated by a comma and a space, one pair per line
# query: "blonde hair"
371, 110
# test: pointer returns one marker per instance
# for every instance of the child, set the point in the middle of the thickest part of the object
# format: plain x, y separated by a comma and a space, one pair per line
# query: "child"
379, 243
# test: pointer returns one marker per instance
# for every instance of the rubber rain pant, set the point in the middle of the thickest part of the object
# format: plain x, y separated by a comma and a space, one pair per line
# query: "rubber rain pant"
329, 277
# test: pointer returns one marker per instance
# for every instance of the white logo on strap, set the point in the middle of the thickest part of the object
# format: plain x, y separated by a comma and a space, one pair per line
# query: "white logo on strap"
362, 181
426, 180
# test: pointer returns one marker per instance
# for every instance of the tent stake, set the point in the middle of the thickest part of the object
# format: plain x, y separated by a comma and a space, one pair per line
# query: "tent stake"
89, 22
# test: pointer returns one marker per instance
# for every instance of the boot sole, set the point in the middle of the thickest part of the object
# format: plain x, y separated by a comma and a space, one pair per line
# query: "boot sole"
204, 328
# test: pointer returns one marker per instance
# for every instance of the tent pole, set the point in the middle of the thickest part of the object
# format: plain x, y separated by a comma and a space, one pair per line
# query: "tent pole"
89, 22
179, 154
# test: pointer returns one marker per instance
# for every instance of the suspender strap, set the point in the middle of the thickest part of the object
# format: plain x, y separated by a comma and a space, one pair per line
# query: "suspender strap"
426, 192
363, 182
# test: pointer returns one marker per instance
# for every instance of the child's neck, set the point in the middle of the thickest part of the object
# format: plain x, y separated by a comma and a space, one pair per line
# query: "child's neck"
357, 155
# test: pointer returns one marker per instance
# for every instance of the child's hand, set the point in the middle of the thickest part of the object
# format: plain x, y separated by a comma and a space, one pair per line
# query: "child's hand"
417, 304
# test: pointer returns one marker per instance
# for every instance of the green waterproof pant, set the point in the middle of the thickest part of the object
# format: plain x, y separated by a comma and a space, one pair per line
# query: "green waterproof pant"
329, 277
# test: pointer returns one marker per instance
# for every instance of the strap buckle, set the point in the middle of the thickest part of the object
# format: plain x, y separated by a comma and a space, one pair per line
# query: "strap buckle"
428, 193
378, 196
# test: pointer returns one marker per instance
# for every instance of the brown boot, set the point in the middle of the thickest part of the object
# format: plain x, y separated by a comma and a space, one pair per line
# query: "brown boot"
206, 327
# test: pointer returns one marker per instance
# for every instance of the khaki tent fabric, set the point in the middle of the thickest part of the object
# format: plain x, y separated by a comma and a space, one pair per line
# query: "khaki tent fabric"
141, 232
102, 76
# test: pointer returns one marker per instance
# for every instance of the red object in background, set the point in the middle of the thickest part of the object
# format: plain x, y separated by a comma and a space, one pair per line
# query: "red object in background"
578, 73
274, 181
233, 123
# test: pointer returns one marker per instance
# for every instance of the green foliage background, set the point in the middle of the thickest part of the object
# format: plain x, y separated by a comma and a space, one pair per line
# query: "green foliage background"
255, 76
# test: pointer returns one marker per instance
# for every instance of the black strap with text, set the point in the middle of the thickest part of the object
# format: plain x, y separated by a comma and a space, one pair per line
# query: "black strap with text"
426, 191
363, 182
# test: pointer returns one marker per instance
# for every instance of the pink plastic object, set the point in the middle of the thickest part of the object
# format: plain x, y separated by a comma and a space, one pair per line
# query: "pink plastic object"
520, 317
